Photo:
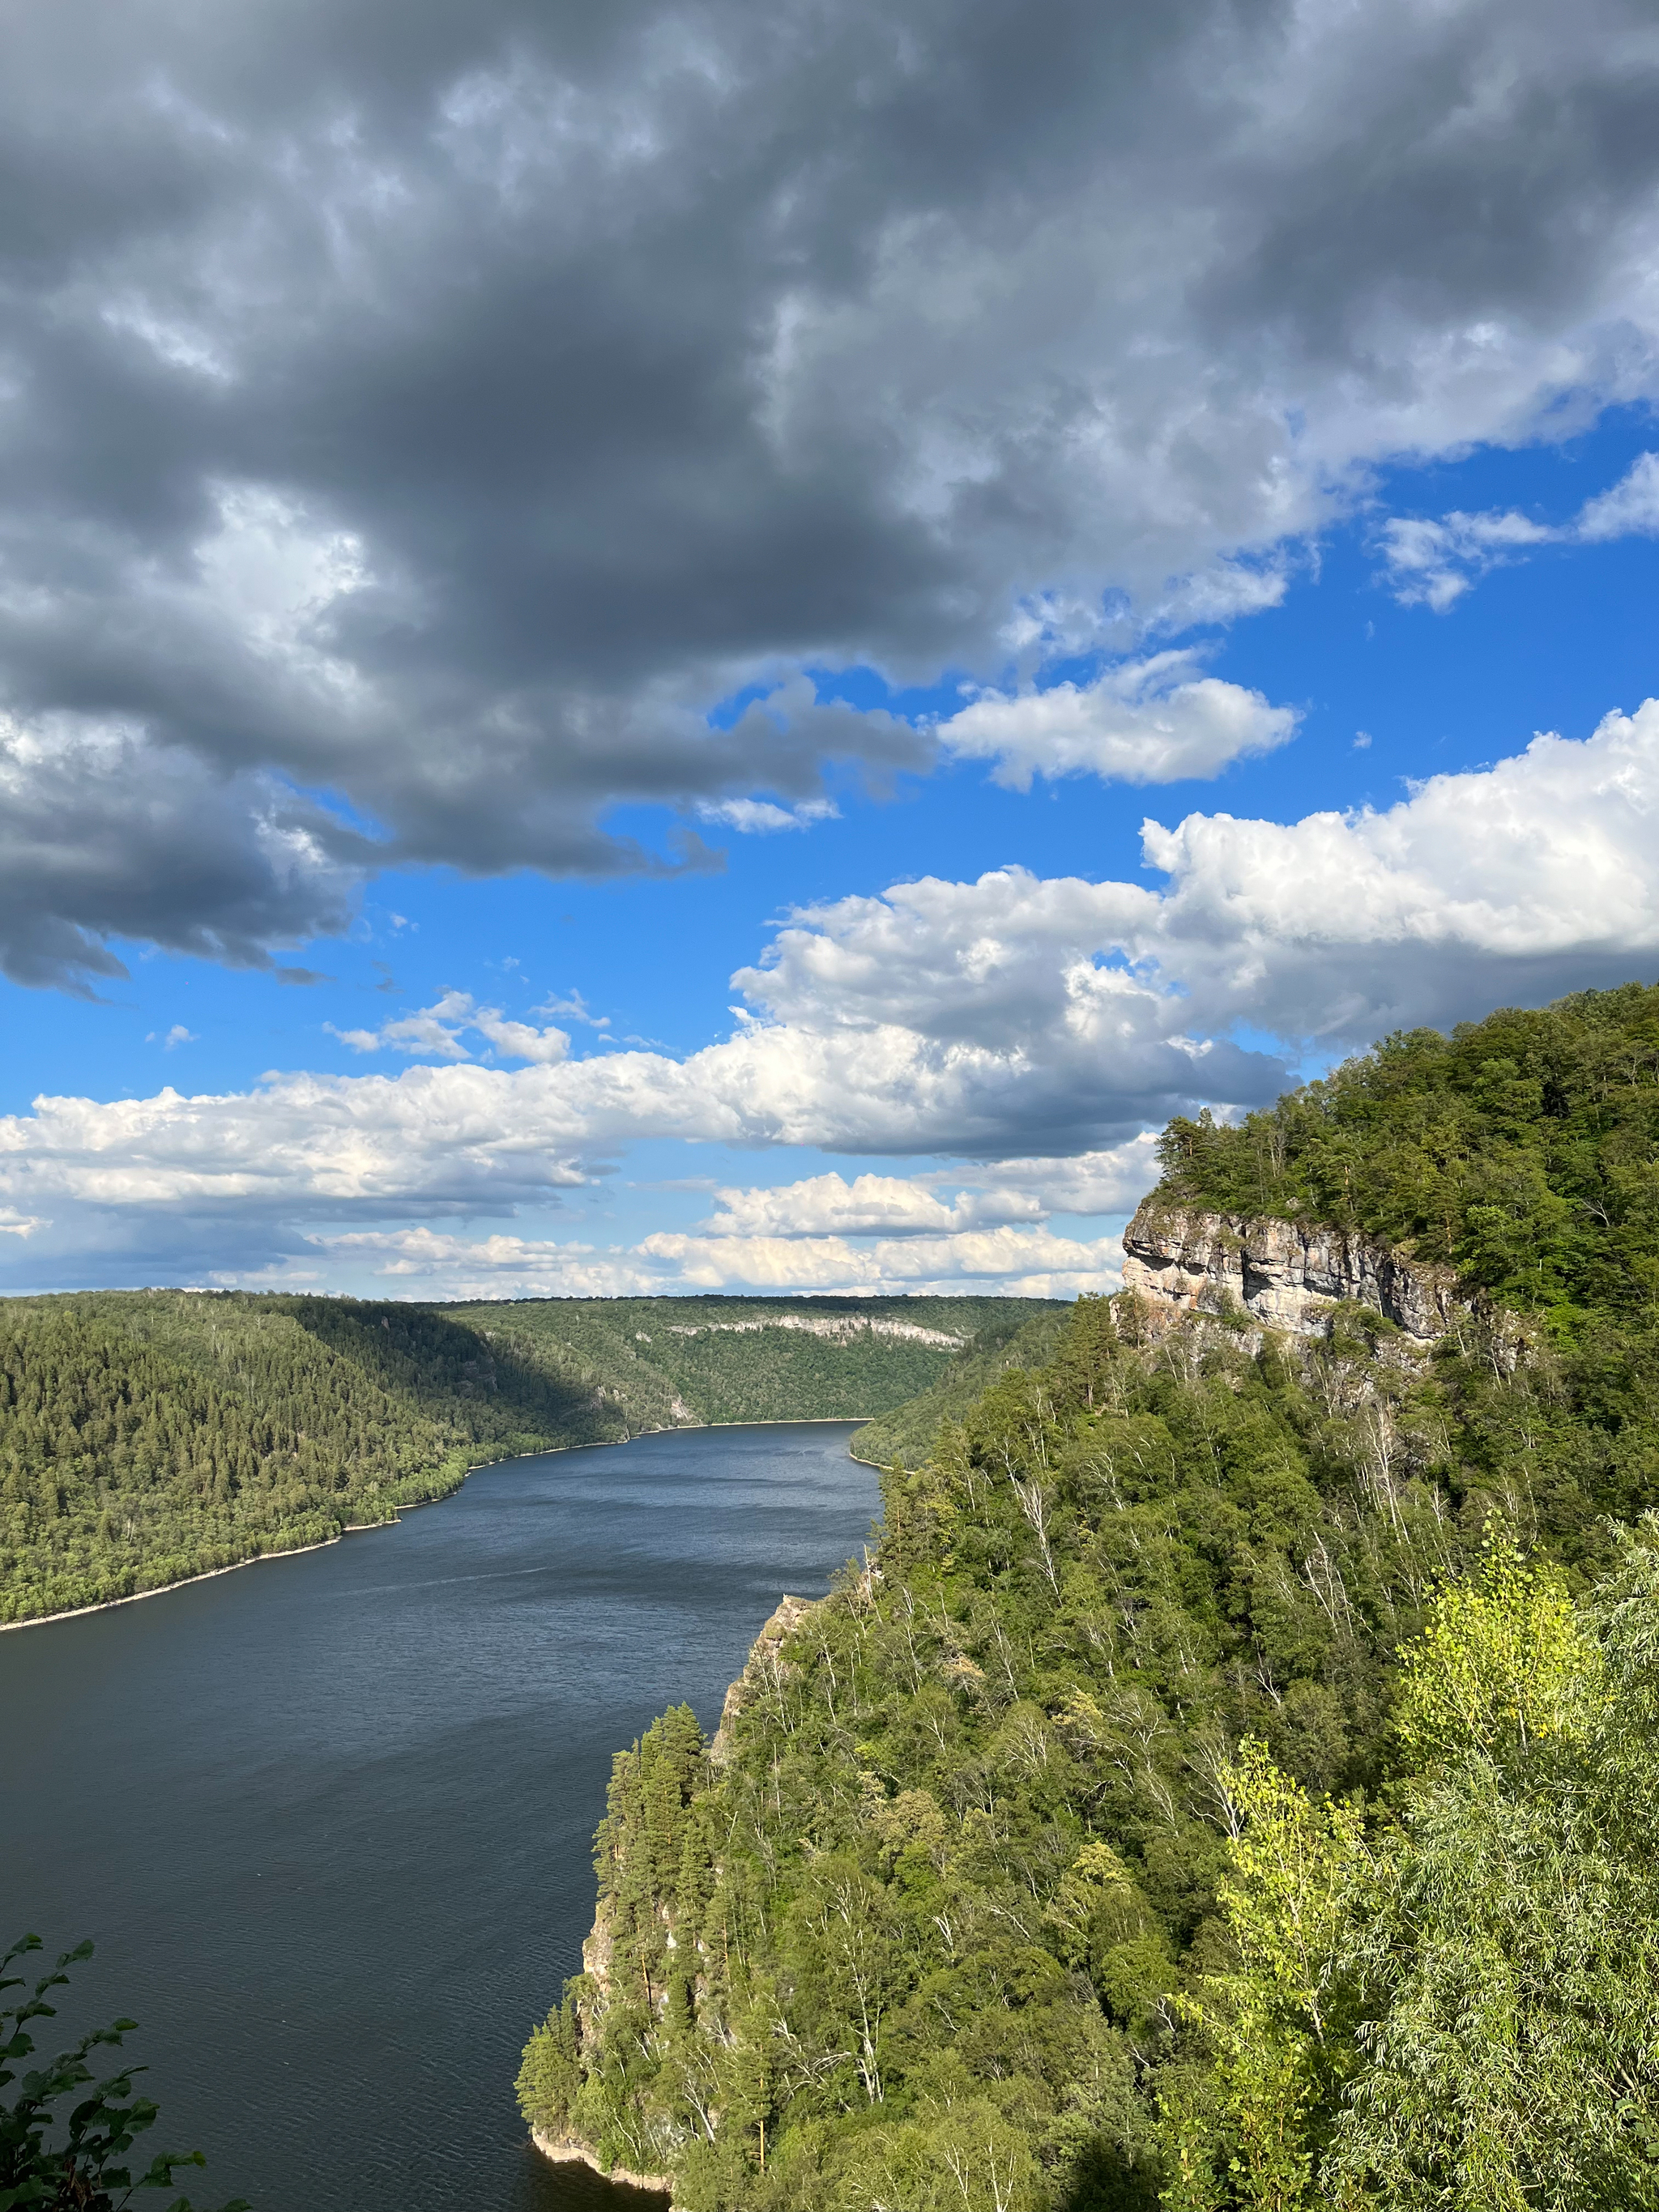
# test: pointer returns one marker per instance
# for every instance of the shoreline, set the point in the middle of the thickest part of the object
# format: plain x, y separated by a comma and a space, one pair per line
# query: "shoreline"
265, 1558
208, 1575
678, 1428
566, 2153
368, 1528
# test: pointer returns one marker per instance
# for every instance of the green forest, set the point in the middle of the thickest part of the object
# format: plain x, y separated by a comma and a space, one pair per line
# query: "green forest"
1232, 1781
1521, 1150
147, 1436
907, 1435
727, 1358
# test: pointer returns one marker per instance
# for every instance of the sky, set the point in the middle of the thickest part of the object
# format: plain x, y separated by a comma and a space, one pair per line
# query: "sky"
676, 648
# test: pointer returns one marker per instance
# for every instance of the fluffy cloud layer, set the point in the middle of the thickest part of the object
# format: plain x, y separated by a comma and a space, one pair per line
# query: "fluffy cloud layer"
1504, 885
1039, 1024
104, 833
443, 405
870, 1204
440, 1032
1023, 1263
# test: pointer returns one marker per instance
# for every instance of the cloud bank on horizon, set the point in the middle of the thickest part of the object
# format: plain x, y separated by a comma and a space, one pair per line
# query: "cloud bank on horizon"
988, 1021
503, 440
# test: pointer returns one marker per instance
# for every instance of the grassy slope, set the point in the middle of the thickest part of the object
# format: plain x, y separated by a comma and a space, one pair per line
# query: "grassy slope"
148, 1435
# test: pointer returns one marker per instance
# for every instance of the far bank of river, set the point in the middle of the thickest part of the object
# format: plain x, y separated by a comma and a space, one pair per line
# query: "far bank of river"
330, 1826
409, 1505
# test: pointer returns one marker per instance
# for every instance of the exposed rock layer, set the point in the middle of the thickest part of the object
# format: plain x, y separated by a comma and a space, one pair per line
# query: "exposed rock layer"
842, 1326
1283, 1274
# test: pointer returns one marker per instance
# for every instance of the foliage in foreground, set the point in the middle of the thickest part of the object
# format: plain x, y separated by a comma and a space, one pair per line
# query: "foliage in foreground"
53, 2161
1457, 2003
1234, 1782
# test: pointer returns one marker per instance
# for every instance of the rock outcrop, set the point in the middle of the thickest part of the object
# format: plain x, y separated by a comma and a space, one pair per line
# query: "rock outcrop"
839, 1326
1284, 1274
564, 2150
761, 1667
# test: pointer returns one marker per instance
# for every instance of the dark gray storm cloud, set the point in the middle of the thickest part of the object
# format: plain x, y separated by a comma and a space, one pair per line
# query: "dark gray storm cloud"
441, 407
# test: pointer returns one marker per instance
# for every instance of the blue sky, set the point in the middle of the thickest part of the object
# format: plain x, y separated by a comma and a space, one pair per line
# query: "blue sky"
430, 722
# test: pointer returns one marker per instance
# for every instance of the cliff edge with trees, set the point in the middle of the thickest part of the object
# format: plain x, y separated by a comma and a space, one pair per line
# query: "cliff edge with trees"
1231, 1781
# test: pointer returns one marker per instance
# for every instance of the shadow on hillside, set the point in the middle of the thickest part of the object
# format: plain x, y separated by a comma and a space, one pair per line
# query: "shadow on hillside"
496, 1386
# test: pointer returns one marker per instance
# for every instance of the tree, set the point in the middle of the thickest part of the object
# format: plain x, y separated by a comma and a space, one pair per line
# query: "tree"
1510, 1955
1462, 2011
86, 2169
1281, 2022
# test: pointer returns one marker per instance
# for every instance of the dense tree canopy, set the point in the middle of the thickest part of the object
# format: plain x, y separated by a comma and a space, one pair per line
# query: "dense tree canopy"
907, 1435
1523, 1149
1231, 1782
721, 1358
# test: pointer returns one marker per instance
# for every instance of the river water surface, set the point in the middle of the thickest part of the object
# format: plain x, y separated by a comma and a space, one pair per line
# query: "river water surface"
328, 1819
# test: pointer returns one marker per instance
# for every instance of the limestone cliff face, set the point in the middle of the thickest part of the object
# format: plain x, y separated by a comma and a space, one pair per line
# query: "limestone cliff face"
1283, 1275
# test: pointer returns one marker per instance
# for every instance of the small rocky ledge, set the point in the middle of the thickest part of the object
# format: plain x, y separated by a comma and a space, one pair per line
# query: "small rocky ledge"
761, 1668
1282, 1273
566, 2151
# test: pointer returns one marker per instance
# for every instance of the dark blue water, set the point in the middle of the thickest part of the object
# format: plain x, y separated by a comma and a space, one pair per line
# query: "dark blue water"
328, 1819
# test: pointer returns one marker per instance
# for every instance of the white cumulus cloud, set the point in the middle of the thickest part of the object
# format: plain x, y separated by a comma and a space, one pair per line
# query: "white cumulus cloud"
1501, 885
1029, 1262
437, 1032
870, 1205
1432, 563
1155, 720
760, 817
1631, 509
1041, 1025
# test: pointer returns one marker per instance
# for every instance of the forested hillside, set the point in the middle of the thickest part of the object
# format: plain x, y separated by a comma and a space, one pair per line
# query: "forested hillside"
1233, 1781
147, 1436
759, 1359
1522, 1148
907, 1435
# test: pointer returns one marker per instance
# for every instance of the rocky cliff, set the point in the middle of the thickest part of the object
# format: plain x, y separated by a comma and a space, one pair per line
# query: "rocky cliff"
1283, 1274
761, 1669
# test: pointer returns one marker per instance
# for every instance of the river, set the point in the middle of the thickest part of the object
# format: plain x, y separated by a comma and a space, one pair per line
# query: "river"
329, 1819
